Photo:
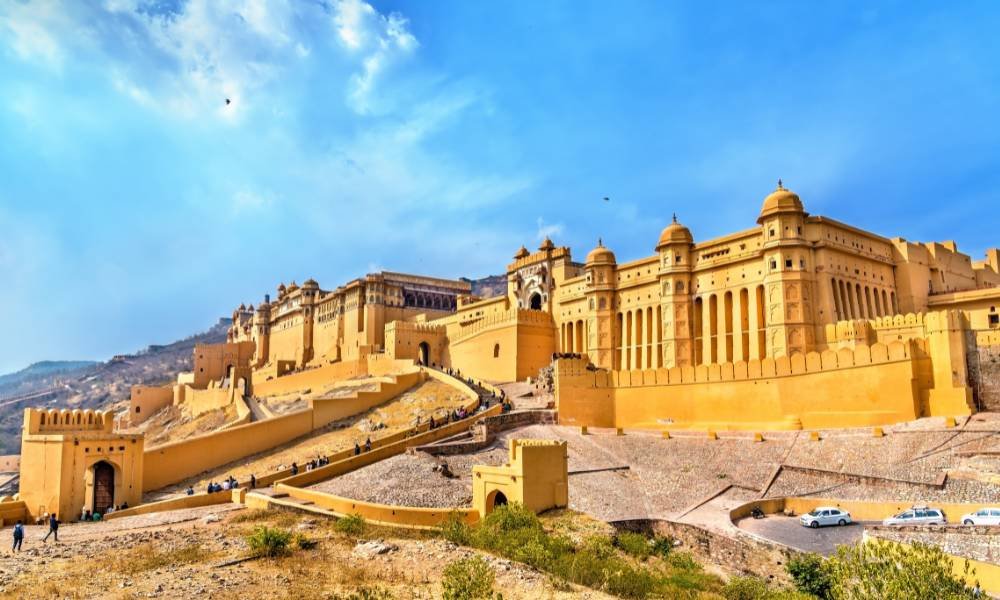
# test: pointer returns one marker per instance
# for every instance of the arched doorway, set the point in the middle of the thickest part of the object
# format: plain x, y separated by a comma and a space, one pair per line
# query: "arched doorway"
424, 353
535, 302
495, 499
104, 487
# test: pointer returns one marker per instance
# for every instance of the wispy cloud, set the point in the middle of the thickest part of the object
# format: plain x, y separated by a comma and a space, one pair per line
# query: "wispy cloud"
548, 230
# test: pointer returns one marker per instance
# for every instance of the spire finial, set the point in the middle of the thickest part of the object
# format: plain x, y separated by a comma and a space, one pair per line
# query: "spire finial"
675, 217
780, 186
600, 243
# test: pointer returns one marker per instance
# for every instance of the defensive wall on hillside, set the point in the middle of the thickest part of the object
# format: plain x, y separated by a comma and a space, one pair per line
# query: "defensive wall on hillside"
857, 385
176, 461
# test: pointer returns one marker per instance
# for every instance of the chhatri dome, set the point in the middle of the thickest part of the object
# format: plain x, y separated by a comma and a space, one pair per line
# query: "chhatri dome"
779, 201
521, 253
600, 255
675, 233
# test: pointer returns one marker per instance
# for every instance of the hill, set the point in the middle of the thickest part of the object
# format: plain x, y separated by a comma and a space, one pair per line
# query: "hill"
85, 384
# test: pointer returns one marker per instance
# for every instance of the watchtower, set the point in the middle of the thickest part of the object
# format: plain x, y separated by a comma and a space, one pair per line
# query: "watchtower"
536, 476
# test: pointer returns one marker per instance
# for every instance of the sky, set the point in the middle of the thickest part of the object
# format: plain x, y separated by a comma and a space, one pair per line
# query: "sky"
137, 207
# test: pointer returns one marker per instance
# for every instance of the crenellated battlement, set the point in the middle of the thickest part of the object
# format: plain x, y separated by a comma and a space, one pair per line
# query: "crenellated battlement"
42, 421
796, 364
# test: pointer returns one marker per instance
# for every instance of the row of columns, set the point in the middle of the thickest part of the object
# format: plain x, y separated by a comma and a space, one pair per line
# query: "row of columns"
573, 337
640, 339
730, 326
852, 301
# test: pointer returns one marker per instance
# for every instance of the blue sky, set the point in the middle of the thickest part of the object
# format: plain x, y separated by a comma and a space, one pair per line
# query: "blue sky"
437, 137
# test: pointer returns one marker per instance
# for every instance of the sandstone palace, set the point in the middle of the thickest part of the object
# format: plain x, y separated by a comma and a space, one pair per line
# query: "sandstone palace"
798, 321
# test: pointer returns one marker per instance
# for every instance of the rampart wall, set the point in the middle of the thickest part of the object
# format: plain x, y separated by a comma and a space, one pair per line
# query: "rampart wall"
145, 401
865, 385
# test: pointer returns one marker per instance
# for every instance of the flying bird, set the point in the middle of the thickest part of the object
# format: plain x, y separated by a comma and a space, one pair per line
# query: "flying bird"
228, 101
606, 199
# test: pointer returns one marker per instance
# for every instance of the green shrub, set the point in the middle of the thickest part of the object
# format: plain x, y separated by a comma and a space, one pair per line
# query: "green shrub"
467, 579
683, 561
746, 588
455, 530
662, 546
634, 544
810, 574
269, 541
350, 525
880, 569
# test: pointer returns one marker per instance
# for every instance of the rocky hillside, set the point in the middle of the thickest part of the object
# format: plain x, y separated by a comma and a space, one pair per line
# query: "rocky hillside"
104, 385
488, 287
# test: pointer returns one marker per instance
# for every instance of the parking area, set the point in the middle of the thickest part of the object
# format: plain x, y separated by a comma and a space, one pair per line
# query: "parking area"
788, 531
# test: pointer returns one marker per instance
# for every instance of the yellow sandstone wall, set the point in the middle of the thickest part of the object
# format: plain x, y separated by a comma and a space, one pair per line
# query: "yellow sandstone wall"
12, 511
147, 400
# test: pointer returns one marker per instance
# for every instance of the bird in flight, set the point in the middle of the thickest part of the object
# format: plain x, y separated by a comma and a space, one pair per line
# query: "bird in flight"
228, 101
606, 199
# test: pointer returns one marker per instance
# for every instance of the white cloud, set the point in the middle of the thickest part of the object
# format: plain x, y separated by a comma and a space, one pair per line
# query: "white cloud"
247, 200
185, 63
548, 230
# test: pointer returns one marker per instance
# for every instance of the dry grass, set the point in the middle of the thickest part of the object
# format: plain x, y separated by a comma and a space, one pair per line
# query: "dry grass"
148, 558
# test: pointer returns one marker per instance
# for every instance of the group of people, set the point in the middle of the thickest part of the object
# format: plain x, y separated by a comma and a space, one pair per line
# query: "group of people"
368, 446
229, 483
317, 462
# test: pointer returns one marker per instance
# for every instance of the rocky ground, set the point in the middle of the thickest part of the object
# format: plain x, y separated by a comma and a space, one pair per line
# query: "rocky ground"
196, 553
666, 477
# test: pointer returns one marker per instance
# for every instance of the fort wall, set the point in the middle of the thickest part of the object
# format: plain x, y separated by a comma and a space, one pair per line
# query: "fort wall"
145, 401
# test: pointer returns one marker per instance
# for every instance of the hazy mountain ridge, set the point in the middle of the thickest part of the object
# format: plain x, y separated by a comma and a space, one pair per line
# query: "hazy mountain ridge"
100, 385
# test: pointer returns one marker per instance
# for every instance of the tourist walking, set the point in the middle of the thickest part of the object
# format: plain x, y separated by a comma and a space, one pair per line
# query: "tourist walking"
53, 528
18, 537
368, 445
253, 482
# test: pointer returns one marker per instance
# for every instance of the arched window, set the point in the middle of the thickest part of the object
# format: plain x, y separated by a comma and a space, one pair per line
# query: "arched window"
496, 351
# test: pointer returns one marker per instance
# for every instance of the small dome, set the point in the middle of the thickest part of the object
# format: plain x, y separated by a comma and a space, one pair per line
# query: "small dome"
281, 287
600, 255
523, 252
243, 306
675, 233
547, 244
779, 201
292, 286
310, 283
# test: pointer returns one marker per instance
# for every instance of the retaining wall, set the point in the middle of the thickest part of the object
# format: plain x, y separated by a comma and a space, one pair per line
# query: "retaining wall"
12, 511
178, 503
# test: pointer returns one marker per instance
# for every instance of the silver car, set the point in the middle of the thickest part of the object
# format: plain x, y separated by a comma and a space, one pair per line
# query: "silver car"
918, 515
825, 515
983, 516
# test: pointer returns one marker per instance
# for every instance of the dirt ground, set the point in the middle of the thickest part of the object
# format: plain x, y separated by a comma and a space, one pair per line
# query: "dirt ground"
183, 554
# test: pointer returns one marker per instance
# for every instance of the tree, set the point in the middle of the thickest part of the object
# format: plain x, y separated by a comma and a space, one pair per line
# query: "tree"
810, 574
878, 569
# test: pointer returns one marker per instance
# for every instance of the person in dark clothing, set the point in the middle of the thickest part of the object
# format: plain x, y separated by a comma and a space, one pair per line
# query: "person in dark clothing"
368, 445
53, 528
295, 469
18, 537
357, 448
253, 482
431, 423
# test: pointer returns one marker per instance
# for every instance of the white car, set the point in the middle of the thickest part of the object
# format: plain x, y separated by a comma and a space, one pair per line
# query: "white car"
983, 516
918, 515
825, 515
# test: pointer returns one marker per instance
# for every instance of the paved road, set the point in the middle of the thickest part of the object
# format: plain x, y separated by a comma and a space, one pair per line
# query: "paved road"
786, 530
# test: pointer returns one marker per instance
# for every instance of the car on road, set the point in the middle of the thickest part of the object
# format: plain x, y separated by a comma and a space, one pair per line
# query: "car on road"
983, 516
825, 515
918, 515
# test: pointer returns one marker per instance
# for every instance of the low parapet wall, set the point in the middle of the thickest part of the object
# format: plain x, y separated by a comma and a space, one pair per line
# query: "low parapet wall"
409, 517
310, 378
178, 503
861, 510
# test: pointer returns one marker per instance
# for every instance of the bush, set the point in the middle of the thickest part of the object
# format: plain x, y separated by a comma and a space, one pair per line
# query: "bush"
746, 588
810, 575
467, 579
455, 530
633, 544
366, 593
350, 525
662, 546
880, 569
304, 543
269, 541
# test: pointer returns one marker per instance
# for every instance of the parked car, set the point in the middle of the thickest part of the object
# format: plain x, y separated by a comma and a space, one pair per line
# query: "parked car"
918, 515
983, 516
825, 515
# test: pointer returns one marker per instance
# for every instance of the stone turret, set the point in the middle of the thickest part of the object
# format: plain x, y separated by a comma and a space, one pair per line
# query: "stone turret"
674, 250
